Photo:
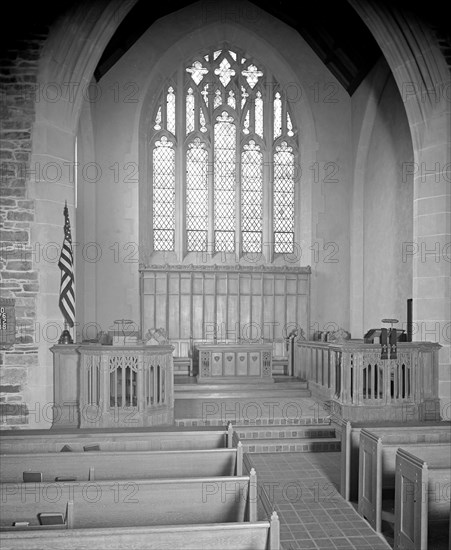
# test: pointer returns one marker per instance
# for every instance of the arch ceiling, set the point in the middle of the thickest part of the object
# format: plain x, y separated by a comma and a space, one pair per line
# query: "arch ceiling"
334, 43
333, 29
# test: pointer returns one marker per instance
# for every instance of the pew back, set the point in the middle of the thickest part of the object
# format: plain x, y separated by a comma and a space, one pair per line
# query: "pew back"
109, 465
113, 440
431, 432
421, 496
124, 503
377, 462
230, 536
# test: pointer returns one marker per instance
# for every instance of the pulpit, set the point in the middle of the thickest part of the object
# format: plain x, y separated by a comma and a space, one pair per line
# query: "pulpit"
113, 386
232, 363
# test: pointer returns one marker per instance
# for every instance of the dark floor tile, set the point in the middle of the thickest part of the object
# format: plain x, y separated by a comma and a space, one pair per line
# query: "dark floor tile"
305, 490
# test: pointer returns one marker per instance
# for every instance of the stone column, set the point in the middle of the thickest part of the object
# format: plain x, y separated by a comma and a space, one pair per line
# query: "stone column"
421, 71
431, 250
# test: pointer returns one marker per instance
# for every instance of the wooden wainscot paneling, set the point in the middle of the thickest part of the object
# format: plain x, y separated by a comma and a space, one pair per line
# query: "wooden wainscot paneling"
223, 303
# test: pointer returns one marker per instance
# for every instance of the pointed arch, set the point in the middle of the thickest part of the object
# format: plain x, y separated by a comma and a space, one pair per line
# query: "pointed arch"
206, 96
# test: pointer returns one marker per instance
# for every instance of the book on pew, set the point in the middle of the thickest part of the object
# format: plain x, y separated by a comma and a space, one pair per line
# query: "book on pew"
65, 478
32, 477
91, 448
21, 524
51, 518
66, 449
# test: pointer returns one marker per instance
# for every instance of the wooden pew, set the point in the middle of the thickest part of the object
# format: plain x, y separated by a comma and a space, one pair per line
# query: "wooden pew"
109, 465
422, 498
162, 514
260, 535
46, 441
126, 503
377, 466
433, 432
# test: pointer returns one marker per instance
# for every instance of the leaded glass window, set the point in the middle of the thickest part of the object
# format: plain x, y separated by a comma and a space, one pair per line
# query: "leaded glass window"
163, 194
196, 196
251, 197
189, 111
277, 116
170, 110
223, 150
283, 199
224, 183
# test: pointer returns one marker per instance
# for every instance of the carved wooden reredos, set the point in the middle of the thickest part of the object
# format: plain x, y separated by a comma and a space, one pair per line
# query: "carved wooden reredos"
225, 303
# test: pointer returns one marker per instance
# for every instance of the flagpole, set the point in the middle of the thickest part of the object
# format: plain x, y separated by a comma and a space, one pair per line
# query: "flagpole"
65, 337
67, 290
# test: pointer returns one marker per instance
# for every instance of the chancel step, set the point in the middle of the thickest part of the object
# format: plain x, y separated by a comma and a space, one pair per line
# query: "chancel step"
291, 445
281, 389
263, 422
281, 383
267, 418
282, 402
246, 433
319, 436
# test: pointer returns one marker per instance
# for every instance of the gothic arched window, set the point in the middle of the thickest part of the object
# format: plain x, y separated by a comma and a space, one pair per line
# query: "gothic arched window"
224, 148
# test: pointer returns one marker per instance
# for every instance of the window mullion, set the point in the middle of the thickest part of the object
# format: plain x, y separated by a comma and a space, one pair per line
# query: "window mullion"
211, 195
238, 236
164, 106
297, 204
268, 175
150, 197
196, 111
211, 165
284, 116
180, 163
252, 114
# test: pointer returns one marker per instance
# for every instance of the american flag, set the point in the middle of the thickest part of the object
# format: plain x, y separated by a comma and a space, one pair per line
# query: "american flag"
66, 264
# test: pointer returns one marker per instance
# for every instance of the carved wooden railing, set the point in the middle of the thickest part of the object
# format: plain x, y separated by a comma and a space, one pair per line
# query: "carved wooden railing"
126, 386
362, 386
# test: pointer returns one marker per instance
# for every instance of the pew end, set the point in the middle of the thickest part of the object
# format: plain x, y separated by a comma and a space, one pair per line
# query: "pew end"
407, 432
377, 467
422, 500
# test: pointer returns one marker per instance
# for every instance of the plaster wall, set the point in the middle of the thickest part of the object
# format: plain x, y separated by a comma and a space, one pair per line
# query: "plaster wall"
322, 111
382, 213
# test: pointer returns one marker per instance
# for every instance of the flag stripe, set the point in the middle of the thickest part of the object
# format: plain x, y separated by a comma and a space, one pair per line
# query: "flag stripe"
67, 286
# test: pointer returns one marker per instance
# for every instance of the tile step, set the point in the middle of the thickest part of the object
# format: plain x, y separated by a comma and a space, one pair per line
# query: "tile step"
261, 423
246, 394
283, 432
292, 445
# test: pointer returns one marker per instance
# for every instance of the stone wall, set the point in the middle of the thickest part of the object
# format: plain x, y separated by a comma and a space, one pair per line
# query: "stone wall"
19, 279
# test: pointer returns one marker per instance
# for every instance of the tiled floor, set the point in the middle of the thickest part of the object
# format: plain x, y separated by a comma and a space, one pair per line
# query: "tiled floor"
303, 487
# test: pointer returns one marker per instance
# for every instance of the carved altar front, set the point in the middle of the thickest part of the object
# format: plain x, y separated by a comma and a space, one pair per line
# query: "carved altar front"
231, 363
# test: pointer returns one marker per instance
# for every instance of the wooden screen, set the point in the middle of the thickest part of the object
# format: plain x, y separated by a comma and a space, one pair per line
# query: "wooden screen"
218, 303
